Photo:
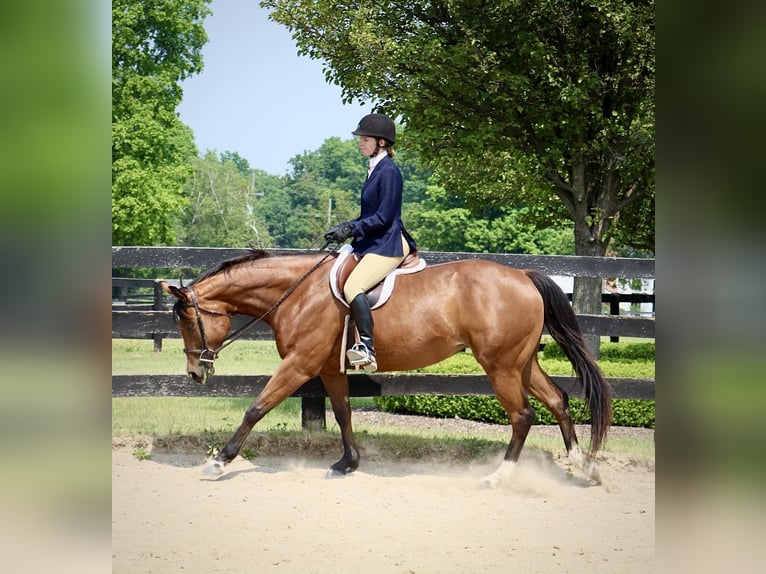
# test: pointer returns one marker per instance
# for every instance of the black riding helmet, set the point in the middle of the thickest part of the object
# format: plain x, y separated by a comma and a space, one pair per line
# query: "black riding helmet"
377, 126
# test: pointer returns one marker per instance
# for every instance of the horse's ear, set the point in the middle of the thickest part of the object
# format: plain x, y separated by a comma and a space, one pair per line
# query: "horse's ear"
172, 290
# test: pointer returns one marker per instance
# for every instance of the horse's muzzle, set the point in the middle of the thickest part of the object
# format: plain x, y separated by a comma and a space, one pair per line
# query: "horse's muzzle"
202, 373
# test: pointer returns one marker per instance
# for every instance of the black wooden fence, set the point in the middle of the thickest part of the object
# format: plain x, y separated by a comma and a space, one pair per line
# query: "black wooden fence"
151, 318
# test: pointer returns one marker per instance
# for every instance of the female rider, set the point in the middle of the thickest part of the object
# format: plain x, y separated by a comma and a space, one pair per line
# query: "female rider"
380, 241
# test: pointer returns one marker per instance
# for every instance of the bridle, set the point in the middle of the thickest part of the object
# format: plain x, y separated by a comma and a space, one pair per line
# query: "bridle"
207, 355
201, 326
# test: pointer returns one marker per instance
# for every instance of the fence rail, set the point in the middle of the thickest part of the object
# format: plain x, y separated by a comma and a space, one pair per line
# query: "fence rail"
152, 319
360, 385
570, 265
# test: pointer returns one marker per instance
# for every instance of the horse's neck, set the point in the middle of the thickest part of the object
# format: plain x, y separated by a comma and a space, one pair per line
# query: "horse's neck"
242, 293
253, 289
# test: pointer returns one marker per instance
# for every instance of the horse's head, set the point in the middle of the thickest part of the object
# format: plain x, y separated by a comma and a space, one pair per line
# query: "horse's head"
203, 330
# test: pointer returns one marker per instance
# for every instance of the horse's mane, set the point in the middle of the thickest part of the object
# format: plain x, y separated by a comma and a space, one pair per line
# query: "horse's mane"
251, 255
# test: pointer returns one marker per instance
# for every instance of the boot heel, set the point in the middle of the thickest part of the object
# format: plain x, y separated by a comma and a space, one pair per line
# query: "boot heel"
370, 367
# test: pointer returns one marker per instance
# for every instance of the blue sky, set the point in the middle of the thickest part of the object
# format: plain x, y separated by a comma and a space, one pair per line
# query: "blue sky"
256, 96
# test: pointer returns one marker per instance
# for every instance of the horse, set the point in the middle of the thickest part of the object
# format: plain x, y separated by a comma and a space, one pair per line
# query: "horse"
496, 311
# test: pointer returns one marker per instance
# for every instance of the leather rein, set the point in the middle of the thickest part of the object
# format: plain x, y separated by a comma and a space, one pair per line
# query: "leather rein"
207, 355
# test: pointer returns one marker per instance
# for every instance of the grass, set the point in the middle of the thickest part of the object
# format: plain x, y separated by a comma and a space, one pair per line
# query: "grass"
192, 415
136, 357
141, 453
213, 420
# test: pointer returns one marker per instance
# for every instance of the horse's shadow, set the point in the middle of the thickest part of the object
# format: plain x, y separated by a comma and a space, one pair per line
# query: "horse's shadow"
230, 475
535, 466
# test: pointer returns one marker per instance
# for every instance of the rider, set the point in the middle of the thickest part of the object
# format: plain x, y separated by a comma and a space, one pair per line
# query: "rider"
380, 241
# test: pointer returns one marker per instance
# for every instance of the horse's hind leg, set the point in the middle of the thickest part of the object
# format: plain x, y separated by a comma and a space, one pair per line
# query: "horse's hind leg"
556, 400
337, 388
512, 397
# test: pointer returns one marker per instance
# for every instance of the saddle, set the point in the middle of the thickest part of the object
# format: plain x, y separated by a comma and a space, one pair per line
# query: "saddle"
379, 294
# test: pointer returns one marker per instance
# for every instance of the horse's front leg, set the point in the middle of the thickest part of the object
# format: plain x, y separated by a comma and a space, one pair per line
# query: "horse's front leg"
336, 385
283, 383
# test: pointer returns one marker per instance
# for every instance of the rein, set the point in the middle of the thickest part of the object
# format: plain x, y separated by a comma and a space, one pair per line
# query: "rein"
249, 325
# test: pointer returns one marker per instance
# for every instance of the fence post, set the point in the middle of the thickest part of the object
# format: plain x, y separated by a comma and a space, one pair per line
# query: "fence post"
157, 306
614, 309
313, 413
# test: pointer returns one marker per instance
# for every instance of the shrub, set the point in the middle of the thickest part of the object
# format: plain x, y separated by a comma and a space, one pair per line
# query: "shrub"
625, 412
609, 351
475, 408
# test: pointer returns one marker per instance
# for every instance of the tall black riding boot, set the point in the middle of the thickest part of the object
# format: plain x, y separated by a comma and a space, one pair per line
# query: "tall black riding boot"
363, 353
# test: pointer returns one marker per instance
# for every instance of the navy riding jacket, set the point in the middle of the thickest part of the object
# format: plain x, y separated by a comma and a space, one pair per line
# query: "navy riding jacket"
379, 227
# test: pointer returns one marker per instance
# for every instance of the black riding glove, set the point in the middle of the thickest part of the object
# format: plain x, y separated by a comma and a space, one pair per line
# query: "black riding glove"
339, 233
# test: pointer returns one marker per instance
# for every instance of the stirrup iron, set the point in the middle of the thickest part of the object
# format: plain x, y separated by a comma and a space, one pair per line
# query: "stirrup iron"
360, 356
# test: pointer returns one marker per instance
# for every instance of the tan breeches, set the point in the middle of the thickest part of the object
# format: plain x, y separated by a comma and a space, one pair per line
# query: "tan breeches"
370, 271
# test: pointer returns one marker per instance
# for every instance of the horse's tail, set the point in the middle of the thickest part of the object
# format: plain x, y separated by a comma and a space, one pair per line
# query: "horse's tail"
561, 322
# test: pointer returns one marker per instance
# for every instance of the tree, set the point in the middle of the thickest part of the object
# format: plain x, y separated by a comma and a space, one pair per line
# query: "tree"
443, 223
224, 206
155, 45
242, 165
507, 100
635, 234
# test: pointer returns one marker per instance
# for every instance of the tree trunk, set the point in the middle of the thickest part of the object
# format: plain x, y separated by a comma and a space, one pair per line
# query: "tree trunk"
586, 297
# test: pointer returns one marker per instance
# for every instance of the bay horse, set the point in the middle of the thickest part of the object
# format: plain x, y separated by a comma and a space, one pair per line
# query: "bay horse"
496, 311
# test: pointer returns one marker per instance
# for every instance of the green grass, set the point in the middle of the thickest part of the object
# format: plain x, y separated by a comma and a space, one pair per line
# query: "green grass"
136, 357
192, 415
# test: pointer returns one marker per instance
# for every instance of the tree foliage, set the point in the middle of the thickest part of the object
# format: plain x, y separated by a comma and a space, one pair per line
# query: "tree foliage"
447, 224
231, 204
155, 45
224, 207
505, 98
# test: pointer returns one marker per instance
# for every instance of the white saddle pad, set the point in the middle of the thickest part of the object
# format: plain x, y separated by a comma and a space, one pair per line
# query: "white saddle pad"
388, 282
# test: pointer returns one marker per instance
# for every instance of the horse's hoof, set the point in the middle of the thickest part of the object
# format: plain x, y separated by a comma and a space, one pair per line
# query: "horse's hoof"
339, 472
213, 468
592, 472
500, 477
332, 473
489, 482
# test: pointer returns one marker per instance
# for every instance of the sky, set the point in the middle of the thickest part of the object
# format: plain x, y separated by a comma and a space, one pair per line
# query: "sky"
256, 96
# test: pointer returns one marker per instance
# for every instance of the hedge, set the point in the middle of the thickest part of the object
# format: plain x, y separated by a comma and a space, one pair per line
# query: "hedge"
613, 352
625, 412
